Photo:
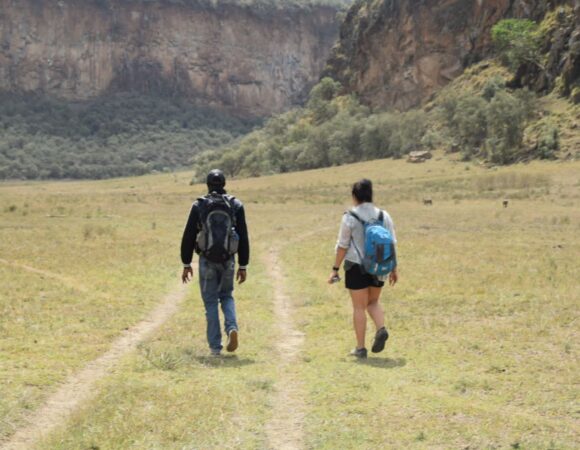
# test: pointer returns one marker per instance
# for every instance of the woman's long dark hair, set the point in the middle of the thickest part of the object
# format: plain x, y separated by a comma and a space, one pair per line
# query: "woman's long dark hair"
363, 191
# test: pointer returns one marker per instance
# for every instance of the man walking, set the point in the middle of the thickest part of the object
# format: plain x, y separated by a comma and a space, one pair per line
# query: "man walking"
217, 231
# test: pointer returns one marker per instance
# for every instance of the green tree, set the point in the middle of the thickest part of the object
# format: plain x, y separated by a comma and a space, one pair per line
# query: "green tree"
506, 121
376, 136
231, 163
517, 41
320, 103
114, 135
548, 142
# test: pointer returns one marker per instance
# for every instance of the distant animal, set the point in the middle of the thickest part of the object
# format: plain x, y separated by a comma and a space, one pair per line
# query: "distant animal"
427, 201
506, 203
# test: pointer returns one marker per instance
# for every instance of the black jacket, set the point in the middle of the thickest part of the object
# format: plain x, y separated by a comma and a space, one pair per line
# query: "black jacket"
192, 227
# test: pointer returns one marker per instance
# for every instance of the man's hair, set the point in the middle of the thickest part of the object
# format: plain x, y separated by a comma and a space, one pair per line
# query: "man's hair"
363, 191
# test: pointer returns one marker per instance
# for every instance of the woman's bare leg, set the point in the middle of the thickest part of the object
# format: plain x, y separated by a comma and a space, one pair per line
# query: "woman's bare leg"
360, 299
375, 308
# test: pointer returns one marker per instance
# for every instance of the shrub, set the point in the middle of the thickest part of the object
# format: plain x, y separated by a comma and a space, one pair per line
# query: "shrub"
468, 122
506, 119
548, 142
117, 135
336, 129
321, 95
575, 95
491, 124
517, 41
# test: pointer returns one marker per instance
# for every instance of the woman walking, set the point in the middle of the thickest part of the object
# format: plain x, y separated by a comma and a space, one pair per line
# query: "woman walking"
365, 289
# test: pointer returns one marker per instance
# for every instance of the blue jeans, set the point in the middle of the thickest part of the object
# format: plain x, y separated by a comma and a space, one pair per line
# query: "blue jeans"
217, 285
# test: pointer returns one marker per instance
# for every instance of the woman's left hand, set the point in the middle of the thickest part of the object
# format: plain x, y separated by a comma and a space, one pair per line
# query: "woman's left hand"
393, 277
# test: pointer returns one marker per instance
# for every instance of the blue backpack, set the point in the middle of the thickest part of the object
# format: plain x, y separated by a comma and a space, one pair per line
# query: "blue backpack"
379, 253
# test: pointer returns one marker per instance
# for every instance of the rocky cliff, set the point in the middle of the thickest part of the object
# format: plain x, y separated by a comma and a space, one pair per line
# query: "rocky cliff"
397, 53
243, 59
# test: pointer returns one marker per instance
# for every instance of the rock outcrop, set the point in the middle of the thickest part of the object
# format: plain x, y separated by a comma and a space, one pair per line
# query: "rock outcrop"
419, 156
247, 60
561, 47
569, 62
397, 53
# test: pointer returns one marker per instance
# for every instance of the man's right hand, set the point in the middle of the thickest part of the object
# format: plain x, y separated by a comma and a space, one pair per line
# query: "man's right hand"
187, 274
241, 276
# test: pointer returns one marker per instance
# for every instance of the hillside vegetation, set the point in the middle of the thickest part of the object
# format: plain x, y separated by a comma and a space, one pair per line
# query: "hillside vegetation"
491, 113
112, 136
484, 321
476, 116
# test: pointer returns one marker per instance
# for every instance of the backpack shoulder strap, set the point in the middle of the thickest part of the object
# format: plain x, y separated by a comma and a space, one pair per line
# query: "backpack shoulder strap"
201, 204
382, 217
356, 216
362, 222
230, 202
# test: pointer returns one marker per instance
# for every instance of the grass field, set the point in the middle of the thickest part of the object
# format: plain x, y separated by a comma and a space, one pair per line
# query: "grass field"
484, 321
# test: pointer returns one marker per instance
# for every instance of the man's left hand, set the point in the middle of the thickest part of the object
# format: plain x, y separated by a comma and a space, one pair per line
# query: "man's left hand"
241, 275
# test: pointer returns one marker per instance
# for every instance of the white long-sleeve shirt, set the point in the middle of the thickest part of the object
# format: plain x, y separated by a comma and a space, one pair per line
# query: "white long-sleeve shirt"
352, 231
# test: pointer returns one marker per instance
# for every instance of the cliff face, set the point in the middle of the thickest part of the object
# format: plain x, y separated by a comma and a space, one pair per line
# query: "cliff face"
564, 52
228, 57
397, 53
560, 44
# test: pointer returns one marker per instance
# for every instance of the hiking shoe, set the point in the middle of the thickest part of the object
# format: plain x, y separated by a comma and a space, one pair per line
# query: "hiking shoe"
360, 353
215, 352
232, 340
380, 340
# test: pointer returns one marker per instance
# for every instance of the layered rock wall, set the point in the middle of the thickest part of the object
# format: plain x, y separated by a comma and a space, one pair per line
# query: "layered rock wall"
238, 58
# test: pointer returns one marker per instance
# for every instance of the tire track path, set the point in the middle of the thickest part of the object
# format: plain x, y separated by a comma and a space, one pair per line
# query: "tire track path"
80, 387
285, 429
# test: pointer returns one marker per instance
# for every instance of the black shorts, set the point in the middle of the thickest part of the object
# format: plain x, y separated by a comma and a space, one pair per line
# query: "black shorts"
355, 278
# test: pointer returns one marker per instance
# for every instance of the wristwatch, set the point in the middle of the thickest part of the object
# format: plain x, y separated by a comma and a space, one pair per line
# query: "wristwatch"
335, 269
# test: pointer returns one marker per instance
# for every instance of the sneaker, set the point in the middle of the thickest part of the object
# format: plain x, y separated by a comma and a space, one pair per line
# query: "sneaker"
215, 352
360, 353
232, 340
380, 340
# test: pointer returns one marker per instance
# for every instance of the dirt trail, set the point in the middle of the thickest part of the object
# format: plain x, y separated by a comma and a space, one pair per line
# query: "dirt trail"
285, 429
80, 387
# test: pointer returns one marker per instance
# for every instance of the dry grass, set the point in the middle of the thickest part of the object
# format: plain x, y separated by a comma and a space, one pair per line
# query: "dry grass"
484, 325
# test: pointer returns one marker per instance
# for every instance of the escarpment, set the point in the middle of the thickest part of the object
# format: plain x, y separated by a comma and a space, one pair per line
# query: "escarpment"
397, 53
240, 59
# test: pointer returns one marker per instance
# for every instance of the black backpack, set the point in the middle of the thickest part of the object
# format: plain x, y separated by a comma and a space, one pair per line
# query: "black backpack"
217, 238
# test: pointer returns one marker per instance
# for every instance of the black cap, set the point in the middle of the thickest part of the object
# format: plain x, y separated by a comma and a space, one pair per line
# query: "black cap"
216, 179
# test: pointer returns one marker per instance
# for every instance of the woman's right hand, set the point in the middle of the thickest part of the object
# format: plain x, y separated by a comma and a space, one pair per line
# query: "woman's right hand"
332, 277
